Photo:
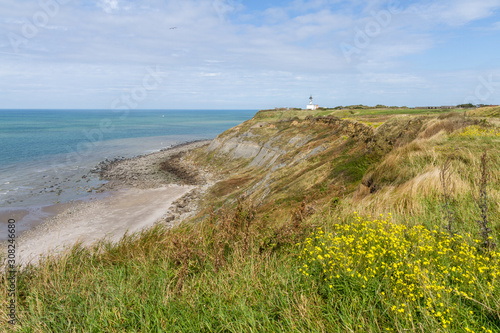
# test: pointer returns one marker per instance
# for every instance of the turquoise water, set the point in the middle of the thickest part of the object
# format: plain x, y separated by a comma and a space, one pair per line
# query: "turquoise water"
44, 153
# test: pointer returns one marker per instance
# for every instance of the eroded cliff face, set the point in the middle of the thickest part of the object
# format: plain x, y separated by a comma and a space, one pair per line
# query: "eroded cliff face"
258, 153
267, 145
269, 161
236, 147
264, 144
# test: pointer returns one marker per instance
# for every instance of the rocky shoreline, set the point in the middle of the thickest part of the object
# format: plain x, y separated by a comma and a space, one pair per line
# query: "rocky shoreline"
152, 170
159, 169
160, 187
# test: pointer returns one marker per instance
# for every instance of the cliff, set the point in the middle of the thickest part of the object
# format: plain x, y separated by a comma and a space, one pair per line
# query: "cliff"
279, 160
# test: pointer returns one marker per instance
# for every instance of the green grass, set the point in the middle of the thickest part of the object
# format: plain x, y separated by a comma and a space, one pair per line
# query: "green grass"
485, 112
283, 114
176, 281
352, 167
237, 267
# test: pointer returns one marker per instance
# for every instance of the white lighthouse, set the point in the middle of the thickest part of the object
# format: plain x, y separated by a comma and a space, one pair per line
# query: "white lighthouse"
311, 106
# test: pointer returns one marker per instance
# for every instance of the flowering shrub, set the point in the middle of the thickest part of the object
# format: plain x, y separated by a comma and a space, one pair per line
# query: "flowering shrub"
476, 131
415, 273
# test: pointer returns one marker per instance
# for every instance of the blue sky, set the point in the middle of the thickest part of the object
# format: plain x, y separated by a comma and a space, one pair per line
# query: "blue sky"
247, 54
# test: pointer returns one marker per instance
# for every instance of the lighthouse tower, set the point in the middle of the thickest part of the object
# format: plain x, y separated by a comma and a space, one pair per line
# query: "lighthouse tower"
311, 106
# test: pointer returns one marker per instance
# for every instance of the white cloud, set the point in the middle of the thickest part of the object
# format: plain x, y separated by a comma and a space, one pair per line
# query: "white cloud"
457, 12
496, 26
225, 7
108, 5
283, 51
392, 78
210, 74
463, 12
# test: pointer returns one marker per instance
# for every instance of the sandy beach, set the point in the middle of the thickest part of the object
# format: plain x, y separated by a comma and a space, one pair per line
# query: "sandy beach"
141, 191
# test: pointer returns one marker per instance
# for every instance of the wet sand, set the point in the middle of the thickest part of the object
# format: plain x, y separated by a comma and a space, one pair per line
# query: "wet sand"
28, 218
16, 214
138, 195
128, 210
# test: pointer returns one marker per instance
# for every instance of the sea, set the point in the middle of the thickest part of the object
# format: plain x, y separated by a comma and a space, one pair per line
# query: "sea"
46, 155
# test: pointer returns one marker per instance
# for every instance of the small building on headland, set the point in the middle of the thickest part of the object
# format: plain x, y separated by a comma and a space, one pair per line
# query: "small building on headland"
311, 106
436, 107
